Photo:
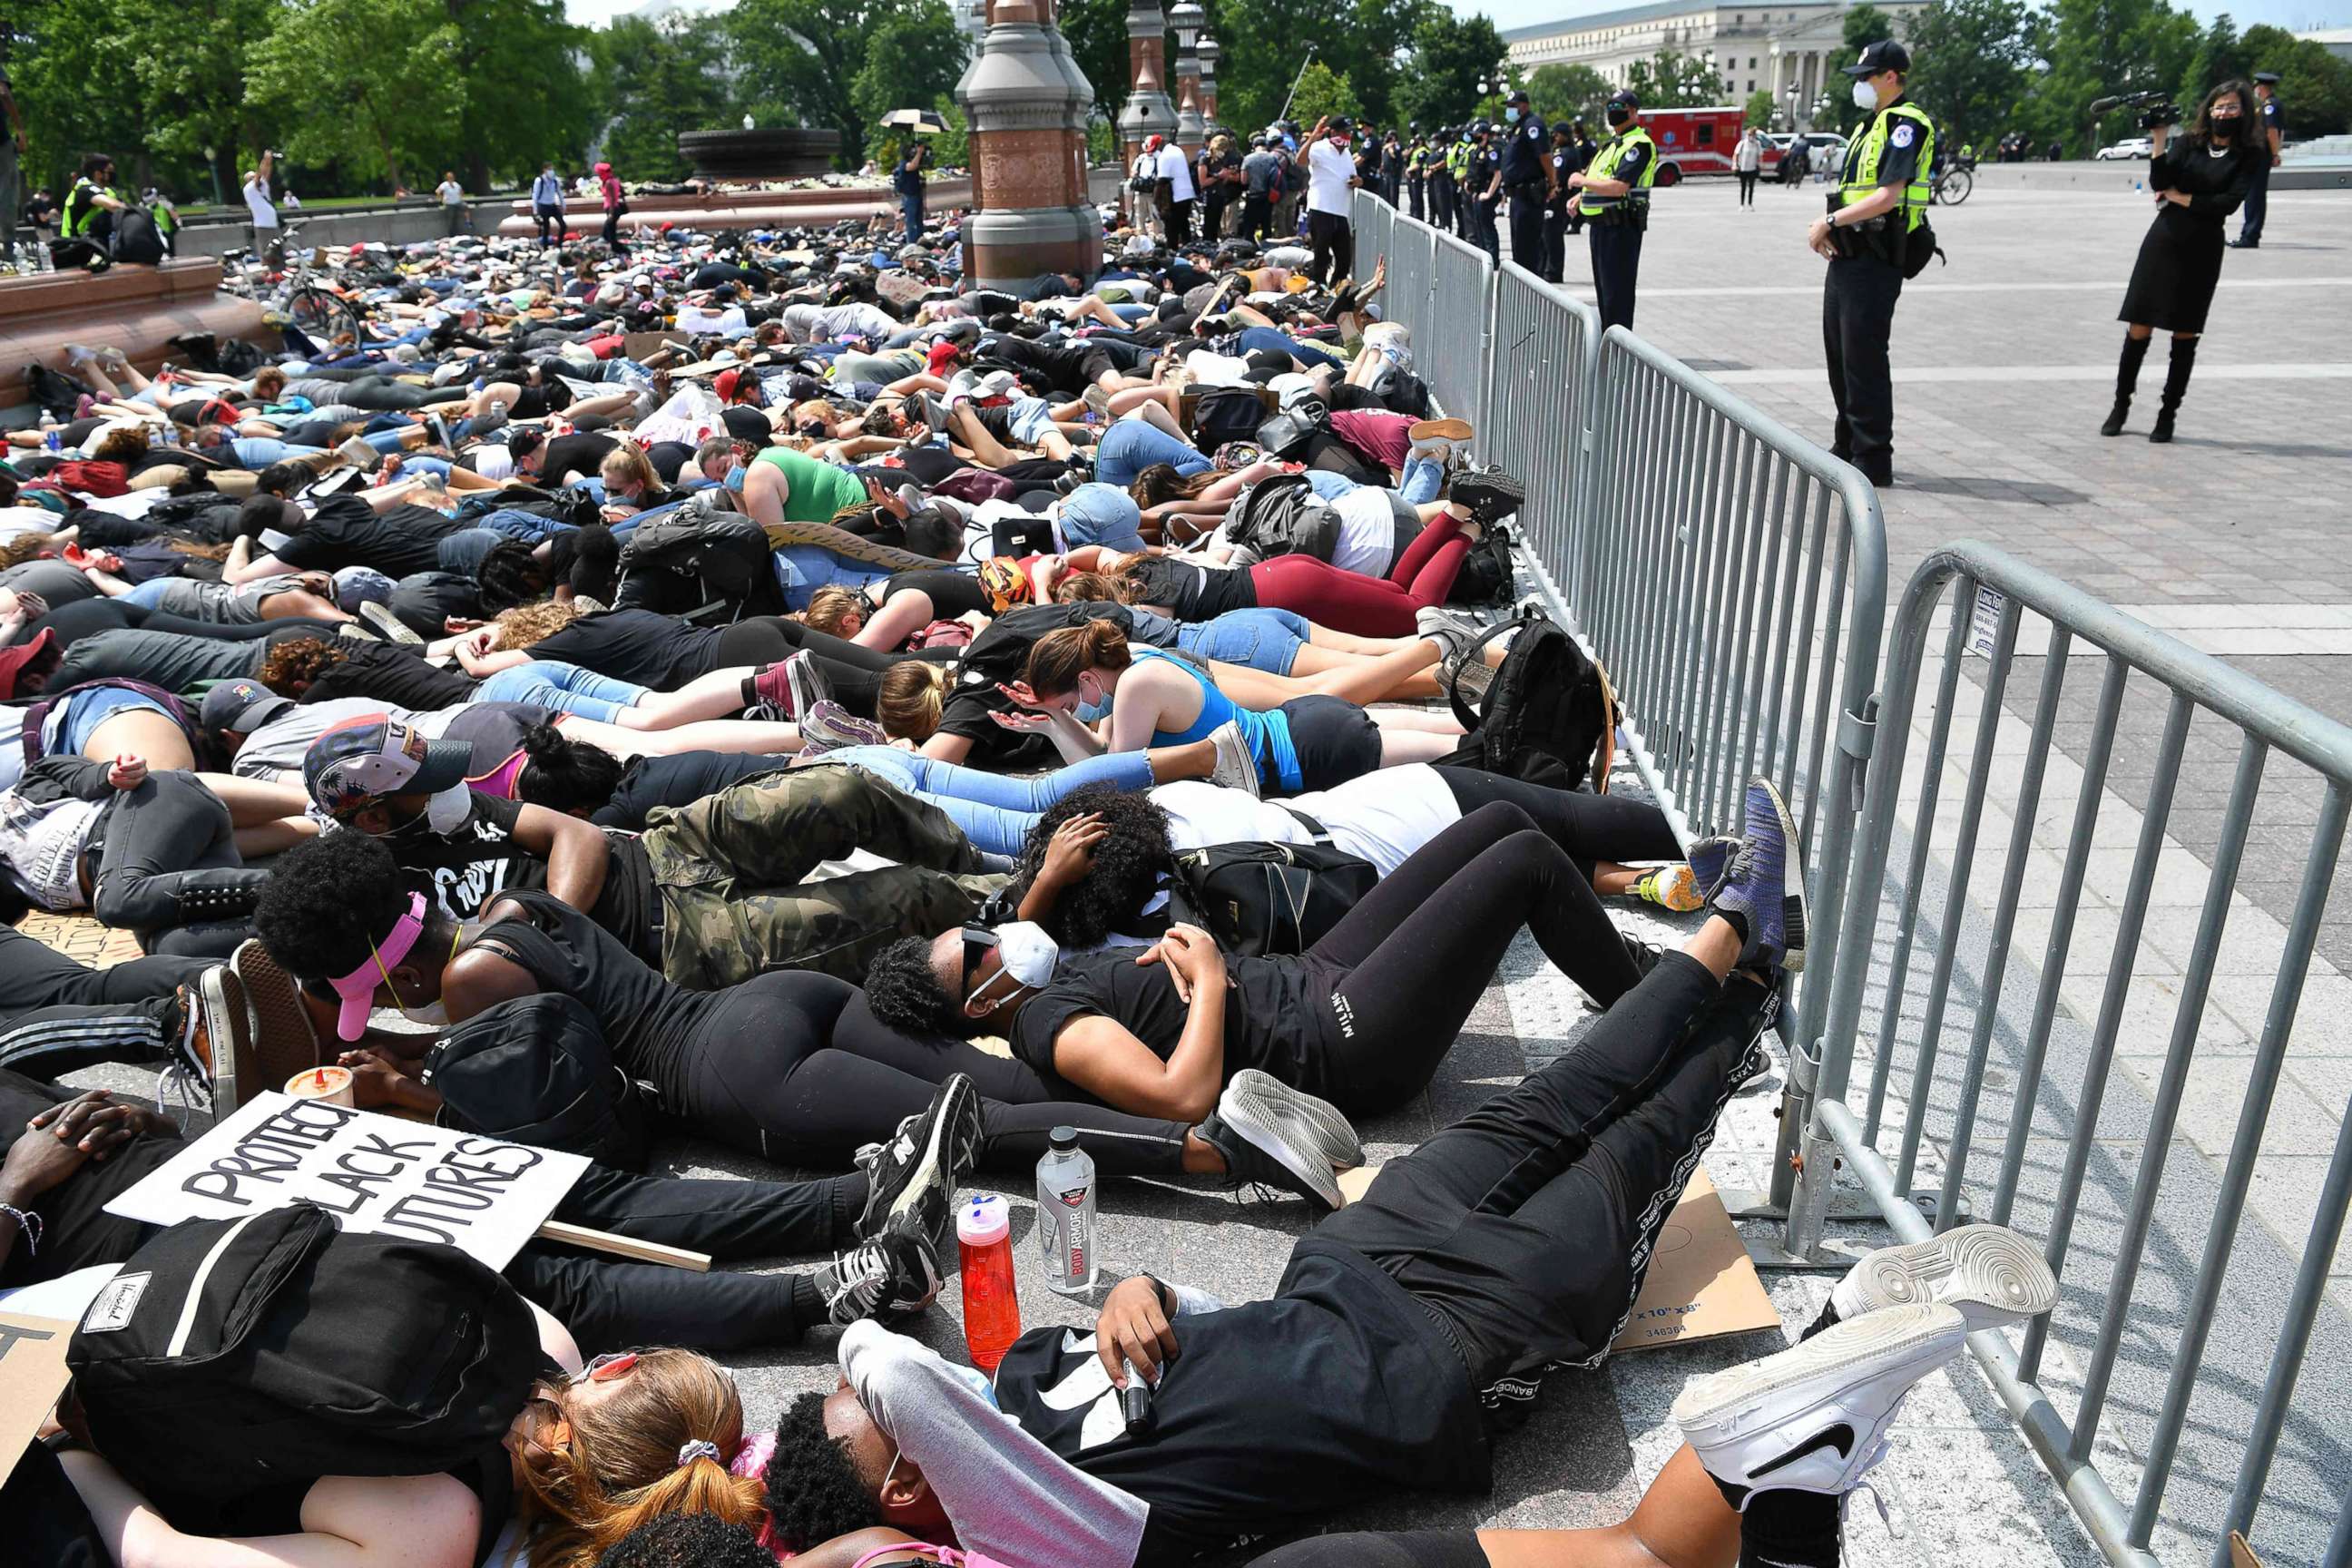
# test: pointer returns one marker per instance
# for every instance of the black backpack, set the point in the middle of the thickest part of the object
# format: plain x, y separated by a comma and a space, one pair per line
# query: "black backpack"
1282, 515
137, 239
706, 567
1227, 414
1488, 578
1542, 715
232, 1355
56, 392
1260, 900
537, 1070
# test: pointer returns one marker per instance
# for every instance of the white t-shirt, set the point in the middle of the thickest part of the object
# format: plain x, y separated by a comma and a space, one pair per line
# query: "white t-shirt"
257, 198
493, 462
1382, 816
1177, 170
1328, 170
450, 192
1368, 531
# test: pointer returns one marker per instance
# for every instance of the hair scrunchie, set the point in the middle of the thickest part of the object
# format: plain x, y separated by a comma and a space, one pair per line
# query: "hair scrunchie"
699, 1449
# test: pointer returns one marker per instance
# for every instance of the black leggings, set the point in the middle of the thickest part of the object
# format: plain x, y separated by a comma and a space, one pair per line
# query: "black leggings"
853, 673
795, 1067
1528, 1224
1591, 827
1404, 967
57, 1016
168, 837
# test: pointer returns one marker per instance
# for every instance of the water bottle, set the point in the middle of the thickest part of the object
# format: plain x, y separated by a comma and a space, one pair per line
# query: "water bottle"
1065, 1213
992, 1302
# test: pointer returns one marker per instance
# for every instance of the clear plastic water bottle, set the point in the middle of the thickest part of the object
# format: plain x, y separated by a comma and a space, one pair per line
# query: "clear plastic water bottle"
992, 1301
1065, 1213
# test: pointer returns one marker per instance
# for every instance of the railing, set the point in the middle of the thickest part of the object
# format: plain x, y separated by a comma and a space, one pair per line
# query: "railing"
1989, 595
1542, 366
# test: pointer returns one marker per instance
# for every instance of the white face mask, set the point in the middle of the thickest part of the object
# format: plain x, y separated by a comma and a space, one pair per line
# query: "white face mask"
1027, 953
1864, 95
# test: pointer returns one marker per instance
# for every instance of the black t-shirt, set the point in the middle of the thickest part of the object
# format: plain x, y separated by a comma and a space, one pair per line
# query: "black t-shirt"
464, 870
1192, 591
388, 672
76, 1230
644, 647
1343, 1377
347, 532
1000, 654
680, 780
581, 452
1276, 1016
953, 593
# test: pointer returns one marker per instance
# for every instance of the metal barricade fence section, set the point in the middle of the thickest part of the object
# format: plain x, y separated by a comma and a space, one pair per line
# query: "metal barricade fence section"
1539, 374
2076, 995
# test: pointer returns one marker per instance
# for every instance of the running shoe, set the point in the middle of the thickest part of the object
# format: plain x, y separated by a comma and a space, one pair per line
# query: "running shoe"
1274, 1135
911, 1181
1709, 859
1765, 885
1994, 1277
79, 354
1490, 494
829, 727
806, 682
379, 615
1453, 634
930, 410
1467, 673
280, 1040
1236, 766
359, 452
894, 1274
1674, 887
1811, 1418
1097, 401
1434, 430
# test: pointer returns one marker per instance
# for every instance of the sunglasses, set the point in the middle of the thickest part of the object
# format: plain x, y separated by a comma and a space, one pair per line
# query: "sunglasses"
977, 941
604, 1368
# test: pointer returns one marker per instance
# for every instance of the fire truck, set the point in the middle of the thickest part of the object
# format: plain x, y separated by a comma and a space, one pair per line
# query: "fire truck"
1697, 140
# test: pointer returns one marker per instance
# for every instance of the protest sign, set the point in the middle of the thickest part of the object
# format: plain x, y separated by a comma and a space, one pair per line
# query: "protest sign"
32, 1375
370, 1173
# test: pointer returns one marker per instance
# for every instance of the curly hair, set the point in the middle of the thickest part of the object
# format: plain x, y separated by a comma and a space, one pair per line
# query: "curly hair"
528, 624
327, 902
903, 991
29, 547
814, 1491
1129, 864
687, 1540
291, 668
510, 576
121, 445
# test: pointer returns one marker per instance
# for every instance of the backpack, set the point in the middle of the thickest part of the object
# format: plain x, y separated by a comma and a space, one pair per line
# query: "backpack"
1226, 414
138, 239
233, 1355
537, 1070
57, 394
1488, 578
1261, 899
91, 477
238, 357
699, 563
1282, 515
1918, 244
1543, 714
1286, 434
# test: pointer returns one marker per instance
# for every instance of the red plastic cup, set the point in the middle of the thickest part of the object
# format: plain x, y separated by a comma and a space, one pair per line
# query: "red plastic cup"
992, 1301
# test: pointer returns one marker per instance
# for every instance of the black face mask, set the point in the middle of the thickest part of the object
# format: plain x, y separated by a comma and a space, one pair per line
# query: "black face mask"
1619, 119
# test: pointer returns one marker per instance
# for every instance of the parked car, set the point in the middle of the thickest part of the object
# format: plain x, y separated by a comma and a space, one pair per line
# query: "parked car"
2129, 147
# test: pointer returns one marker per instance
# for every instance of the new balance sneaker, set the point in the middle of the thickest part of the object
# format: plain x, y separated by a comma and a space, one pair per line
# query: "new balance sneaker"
911, 1181
1764, 887
893, 1276
1454, 634
1236, 766
829, 727
1811, 1418
1490, 494
1674, 887
1276, 1135
1992, 1274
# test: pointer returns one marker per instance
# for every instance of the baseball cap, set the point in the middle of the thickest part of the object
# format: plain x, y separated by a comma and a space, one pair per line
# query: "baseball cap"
1098, 513
243, 706
360, 763
1626, 96
41, 652
1518, 95
2267, 77
1885, 55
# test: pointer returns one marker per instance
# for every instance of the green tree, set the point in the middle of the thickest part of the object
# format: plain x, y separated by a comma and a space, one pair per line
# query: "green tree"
361, 83
1322, 91
1669, 80
525, 98
1095, 31
912, 60
648, 81
1864, 24
2099, 47
1264, 43
1566, 92
1968, 60
800, 59
1449, 54
2221, 54
2315, 86
75, 71
1759, 109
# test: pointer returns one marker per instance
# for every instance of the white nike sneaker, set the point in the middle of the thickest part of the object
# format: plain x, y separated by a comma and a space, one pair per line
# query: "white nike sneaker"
1989, 1272
1811, 1418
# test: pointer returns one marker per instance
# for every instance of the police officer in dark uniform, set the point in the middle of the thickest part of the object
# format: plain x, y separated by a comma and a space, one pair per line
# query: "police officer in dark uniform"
1441, 178
1416, 174
1616, 201
1881, 197
1526, 178
1486, 180
2258, 194
1562, 162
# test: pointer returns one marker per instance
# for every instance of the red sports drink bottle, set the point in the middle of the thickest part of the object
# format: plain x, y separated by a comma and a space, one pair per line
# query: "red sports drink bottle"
992, 1302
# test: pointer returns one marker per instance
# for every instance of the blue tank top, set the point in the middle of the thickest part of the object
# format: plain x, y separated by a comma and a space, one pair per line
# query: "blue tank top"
1268, 733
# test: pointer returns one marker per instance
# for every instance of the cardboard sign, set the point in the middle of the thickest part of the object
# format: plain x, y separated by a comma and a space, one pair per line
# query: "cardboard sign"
370, 1173
32, 1375
2241, 1555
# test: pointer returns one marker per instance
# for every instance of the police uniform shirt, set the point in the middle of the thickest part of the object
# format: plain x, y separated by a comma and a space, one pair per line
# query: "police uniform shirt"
1899, 165
1524, 149
1629, 167
2273, 125
1564, 163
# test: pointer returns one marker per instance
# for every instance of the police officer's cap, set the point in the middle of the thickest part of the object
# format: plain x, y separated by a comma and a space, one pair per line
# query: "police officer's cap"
2271, 77
1518, 95
1626, 96
1885, 55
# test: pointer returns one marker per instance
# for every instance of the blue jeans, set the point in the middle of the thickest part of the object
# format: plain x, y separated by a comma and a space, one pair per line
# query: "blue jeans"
526, 526
1262, 640
1265, 340
1130, 446
911, 207
565, 688
995, 811
1423, 480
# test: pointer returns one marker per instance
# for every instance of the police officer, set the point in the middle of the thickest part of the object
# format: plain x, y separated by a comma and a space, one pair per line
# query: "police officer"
1416, 174
1458, 168
1882, 197
1441, 178
1562, 162
2258, 194
1616, 206
1485, 178
1527, 176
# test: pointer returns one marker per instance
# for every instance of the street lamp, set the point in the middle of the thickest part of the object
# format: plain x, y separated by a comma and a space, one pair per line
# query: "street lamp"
1188, 20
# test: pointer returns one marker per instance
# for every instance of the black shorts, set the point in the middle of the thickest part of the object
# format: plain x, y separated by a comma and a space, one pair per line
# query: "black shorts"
1094, 364
1335, 740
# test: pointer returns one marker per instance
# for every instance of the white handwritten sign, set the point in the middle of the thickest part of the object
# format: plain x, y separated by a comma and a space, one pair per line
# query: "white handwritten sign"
370, 1173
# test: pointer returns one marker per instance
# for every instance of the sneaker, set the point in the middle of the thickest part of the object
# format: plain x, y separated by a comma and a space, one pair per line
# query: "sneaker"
1465, 673
829, 727
1765, 884
930, 410
1236, 766
1993, 1276
1644, 954
440, 430
359, 453
1673, 888
1811, 1418
894, 1274
1453, 634
279, 1040
774, 688
1438, 430
1709, 860
1277, 1136
79, 354
1491, 494
379, 615
911, 1181
1097, 401
806, 682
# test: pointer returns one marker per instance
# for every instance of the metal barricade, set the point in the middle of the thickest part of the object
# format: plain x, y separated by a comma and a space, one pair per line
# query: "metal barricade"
1451, 354
1375, 224
1989, 597
1538, 382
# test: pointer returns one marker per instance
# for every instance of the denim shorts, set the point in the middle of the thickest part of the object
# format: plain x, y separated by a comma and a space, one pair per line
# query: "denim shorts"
86, 710
1262, 640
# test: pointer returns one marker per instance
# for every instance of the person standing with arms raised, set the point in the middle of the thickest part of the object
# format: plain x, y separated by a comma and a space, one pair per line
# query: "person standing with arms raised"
264, 212
1616, 206
1881, 199
1330, 176
2268, 138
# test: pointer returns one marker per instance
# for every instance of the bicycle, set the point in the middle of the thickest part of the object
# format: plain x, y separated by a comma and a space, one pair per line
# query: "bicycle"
1953, 186
316, 307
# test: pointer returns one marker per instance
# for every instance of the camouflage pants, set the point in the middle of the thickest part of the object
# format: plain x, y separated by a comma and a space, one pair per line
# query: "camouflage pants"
728, 870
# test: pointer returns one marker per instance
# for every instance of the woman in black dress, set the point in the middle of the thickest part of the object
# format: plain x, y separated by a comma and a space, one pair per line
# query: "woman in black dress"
2199, 178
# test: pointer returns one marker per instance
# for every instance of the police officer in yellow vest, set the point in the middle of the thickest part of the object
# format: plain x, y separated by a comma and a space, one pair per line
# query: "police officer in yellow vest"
1882, 197
1615, 203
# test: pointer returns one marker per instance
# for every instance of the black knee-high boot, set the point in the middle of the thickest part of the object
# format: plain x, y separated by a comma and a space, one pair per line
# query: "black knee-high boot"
2176, 383
2126, 379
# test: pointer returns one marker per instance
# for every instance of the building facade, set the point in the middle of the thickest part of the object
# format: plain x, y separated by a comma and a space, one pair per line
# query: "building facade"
1790, 49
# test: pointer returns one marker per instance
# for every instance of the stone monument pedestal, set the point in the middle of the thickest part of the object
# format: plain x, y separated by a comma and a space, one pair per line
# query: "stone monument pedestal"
1028, 103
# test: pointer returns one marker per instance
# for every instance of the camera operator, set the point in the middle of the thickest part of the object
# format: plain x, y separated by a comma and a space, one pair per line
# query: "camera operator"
2199, 177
